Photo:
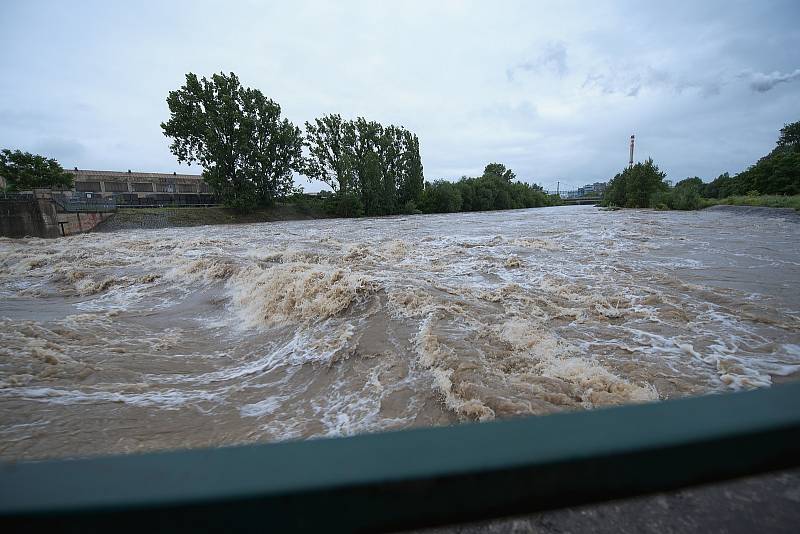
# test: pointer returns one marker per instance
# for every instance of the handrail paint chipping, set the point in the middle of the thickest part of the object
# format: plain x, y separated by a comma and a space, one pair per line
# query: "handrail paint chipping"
413, 478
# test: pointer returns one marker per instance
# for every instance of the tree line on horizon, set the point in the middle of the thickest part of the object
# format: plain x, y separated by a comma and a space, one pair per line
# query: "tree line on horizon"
644, 185
495, 189
249, 155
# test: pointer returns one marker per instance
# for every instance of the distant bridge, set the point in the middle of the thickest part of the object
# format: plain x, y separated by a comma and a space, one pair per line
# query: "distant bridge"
577, 197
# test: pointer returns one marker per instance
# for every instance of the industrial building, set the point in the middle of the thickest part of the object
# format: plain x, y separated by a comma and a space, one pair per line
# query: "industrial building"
141, 187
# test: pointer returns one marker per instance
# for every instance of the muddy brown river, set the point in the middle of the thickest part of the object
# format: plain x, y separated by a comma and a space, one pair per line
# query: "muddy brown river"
220, 335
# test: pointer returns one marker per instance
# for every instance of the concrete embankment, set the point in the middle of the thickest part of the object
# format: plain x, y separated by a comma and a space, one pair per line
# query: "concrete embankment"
28, 217
40, 216
153, 218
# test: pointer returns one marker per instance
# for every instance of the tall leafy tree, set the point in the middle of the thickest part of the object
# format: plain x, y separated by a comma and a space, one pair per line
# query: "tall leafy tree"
499, 170
329, 152
247, 152
23, 171
411, 179
275, 150
790, 136
379, 164
636, 186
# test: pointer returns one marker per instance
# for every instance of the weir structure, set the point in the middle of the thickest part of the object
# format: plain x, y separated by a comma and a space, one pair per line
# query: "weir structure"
44, 213
413, 478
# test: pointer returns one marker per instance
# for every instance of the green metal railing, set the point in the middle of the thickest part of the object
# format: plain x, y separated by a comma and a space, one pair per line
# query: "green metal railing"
413, 478
78, 204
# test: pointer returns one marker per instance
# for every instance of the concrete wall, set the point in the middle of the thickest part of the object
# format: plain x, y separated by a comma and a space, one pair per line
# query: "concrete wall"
39, 218
34, 218
76, 223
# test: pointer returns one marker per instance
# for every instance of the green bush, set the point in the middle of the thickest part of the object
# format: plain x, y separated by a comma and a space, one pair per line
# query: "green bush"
636, 187
441, 197
307, 204
410, 208
344, 205
685, 199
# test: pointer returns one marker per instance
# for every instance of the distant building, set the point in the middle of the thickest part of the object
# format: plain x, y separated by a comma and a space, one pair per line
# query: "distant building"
596, 188
141, 187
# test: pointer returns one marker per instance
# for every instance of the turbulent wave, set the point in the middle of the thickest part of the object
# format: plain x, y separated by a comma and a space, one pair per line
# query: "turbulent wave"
290, 292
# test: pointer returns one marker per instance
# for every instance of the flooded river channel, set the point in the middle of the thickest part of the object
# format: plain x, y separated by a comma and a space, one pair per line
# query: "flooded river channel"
218, 335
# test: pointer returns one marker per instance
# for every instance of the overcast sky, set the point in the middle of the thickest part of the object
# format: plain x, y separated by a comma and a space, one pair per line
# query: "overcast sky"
553, 90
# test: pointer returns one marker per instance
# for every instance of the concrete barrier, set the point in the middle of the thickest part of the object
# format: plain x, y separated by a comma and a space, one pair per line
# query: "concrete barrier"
32, 217
39, 215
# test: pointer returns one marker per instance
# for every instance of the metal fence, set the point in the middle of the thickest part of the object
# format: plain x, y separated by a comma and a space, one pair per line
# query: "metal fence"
413, 478
15, 197
84, 204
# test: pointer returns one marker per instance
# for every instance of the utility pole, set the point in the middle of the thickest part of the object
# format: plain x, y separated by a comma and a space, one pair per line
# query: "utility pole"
558, 188
630, 163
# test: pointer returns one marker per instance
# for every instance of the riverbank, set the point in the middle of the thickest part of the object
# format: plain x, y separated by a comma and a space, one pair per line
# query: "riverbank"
764, 201
153, 218
761, 211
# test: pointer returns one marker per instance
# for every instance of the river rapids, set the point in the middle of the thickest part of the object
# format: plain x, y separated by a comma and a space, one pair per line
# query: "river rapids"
219, 335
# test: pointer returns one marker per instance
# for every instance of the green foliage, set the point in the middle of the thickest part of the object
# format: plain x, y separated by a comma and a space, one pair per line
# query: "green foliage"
307, 204
777, 173
636, 186
23, 171
410, 208
248, 153
721, 187
344, 205
694, 183
378, 164
770, 201
441, 197
493, 190
685, 199
499, 170
790, 136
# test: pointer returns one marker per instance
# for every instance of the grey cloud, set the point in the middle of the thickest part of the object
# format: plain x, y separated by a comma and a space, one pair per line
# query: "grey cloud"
96, 101
23, 118
552, 59
762, 83
631, 80
61, 149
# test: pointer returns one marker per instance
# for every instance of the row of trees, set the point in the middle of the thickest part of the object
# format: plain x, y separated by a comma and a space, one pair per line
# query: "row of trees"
250, 154
493, 190
778, 173
374, 170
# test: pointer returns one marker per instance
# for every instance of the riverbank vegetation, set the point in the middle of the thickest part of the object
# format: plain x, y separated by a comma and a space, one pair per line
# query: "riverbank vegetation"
766, 201
773, 181
251, 157
23, 171
493, 190
372, 169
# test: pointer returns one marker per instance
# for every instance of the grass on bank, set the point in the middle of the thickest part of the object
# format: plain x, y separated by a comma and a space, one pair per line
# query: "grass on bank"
767, 201
676, 201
